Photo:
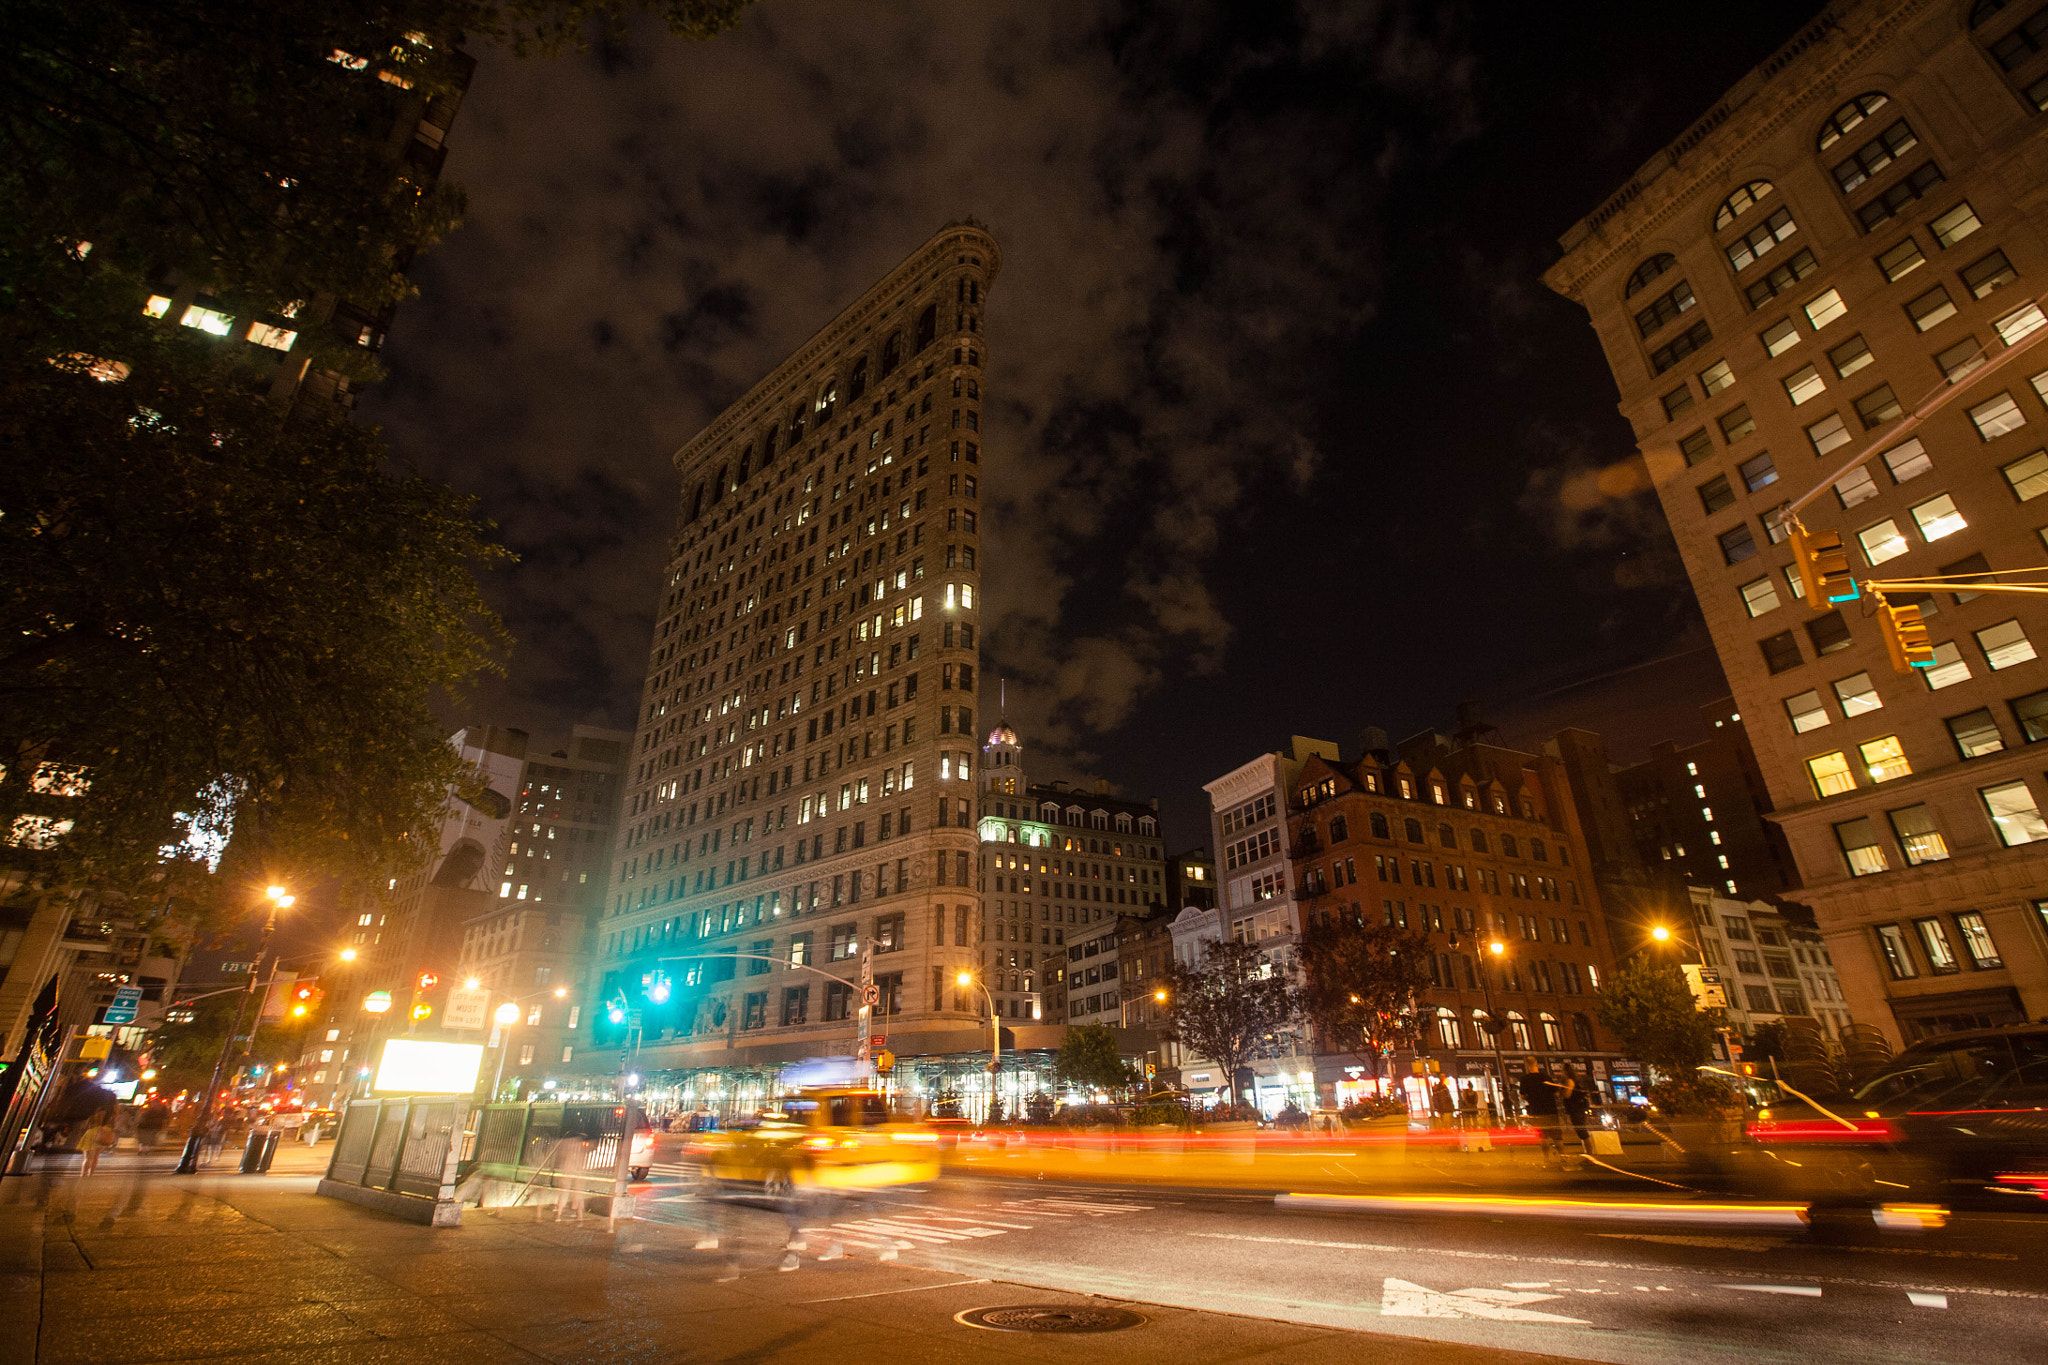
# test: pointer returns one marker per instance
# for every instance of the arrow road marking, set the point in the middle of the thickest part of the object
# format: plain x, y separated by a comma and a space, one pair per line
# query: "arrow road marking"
1402, 1299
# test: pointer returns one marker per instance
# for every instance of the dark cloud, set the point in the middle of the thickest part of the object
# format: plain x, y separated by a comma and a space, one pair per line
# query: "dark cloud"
1247, 348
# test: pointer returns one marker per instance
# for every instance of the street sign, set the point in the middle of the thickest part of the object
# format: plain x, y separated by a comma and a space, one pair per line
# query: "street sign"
1705, 983
126, 1001
467, 1008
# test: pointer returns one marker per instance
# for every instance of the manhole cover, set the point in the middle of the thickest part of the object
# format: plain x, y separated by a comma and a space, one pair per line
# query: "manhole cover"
1050, 1317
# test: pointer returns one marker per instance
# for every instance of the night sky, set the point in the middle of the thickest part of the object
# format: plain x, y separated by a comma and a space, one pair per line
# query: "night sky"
1285, 433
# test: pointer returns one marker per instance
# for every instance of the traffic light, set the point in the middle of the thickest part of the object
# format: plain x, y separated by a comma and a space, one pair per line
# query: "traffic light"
1823, 565
306, 998
1905, 636
428, 981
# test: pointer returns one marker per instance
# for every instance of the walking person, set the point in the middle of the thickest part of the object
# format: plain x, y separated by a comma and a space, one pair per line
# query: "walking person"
1577, 1104
1539, 1102
98, 1139
1440, 1104
1468, 1106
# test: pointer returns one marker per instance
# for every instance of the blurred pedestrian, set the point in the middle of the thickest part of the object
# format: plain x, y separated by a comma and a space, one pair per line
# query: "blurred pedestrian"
1539, 1104
1468, 1106
1577, 1103
1440, 1103
98, 1139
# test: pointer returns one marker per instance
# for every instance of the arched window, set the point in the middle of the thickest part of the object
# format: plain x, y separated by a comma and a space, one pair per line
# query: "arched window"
1479, 841
696, 502
927, 326
1413, 829
768, 448
828, 399
1446, 836
2018, 45
857, 381
1553, 1036
892, 354
1847, 117
718, 485
1666, 308
1582, 1027
1538, 852
746, 466
1379, 826
1647, 271
1518, 1030
1447, 1027
1741, 202
1507, 846
796, 425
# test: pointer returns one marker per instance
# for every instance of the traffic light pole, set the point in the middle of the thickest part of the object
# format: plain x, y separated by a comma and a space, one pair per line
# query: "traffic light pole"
188, 1163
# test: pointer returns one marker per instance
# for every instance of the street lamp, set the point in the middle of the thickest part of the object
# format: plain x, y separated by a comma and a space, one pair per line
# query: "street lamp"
995, 1023
507, 1016
1499, 950
188, 1163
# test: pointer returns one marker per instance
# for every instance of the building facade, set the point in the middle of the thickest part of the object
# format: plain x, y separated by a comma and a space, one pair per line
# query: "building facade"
1823, 285
1697, 813
1470, 844
799, 810
1191, 879
1772, 963
1061, 866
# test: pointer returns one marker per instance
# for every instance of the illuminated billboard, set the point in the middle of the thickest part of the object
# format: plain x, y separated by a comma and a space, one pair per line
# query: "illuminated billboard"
410, 1066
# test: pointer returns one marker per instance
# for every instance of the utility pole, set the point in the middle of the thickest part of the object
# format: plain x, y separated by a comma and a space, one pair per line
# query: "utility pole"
188, 1163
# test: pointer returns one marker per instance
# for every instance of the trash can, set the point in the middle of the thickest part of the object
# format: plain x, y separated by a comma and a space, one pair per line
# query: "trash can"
260, 1151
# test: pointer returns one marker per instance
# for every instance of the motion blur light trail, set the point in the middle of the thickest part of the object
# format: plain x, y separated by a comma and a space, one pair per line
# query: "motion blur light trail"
1595, 1210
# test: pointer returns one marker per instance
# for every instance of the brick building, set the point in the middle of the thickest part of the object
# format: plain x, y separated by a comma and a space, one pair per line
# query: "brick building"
1469, 843
1823, 285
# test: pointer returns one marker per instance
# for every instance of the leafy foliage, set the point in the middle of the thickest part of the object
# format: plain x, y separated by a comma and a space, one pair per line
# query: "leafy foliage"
1088, 1057
1228, 1008
1650, 1008
1362, 983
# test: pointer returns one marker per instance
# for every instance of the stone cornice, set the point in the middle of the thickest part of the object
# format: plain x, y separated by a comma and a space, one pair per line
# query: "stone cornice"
1802, 74
787, 380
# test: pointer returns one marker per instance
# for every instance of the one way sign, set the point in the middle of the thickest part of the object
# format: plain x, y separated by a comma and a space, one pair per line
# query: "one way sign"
126, 1001
1401, 1299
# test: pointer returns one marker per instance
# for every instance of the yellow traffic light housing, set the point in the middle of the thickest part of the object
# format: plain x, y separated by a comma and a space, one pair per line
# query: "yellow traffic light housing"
1905, 635
1823, 564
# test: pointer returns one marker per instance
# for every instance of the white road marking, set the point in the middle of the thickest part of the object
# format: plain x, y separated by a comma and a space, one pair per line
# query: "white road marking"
1404, 1299
1536, 1259
1920, 1299
884, 1293
1802, 1291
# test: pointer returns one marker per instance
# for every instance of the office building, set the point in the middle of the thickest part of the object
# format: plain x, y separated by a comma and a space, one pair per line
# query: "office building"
799, 817
1697, 812
1824, 287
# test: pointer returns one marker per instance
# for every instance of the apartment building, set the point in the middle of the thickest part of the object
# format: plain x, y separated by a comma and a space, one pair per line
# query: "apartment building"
1471, 844
1829, 284
1772, 962
797, 845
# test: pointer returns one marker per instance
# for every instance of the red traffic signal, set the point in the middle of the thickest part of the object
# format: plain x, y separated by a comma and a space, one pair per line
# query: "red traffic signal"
428, 981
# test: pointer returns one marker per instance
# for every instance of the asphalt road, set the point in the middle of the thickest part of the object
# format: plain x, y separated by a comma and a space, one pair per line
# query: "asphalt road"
1975, 1291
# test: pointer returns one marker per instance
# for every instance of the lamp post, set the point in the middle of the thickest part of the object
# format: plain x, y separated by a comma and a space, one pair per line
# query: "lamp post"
505, 1016
1499, 951
995, 1024
188, 1163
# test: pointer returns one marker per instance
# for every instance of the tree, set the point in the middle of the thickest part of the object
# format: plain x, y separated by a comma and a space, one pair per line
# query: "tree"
1229, 1006
1648, 1005
1088, 1057
216, 618
1361, 983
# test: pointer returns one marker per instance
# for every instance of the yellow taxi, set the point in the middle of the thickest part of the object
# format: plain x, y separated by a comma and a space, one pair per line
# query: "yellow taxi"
824, 1139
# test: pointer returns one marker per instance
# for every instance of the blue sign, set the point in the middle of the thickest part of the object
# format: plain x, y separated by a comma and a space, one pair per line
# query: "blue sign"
122, 1011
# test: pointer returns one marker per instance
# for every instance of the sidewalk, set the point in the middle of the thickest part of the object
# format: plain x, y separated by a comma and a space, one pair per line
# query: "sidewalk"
136, 1265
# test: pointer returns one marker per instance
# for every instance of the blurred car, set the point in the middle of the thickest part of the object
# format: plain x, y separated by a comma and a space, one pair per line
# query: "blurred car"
1961, 1118
825, 1139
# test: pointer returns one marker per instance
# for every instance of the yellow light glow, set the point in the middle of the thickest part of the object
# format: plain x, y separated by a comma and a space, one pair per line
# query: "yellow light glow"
472, 982
348, 955
1159, 996
1497, 947
1660, 933
274, 892
965, 979
561, 992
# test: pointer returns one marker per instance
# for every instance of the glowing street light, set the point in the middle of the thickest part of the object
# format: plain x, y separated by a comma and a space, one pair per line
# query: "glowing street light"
348, 955
1660, 933
995, 1024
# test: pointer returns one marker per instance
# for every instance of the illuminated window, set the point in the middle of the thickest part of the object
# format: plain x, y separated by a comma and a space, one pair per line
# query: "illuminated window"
1759, 596
1938, 517
1806, 712
2013, 814
1741, 202
1975, 733
1831, 774
276, 338
1804, 385
1907, 461
208, 320
1931, 309
2005, 644
1874, 157
1848, 117
1858, 695
1883, 541
1901, 261
1860, 847
1949, 667
1951, 227
1918, 838
1884, 759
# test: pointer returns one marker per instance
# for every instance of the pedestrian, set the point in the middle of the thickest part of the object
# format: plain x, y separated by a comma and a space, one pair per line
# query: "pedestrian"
1577, 1104
1468, 1106
98, 1139
1440, 1103
1539, 1105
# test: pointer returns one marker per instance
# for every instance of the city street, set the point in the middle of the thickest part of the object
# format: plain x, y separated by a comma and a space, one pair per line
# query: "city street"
1630, 1293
